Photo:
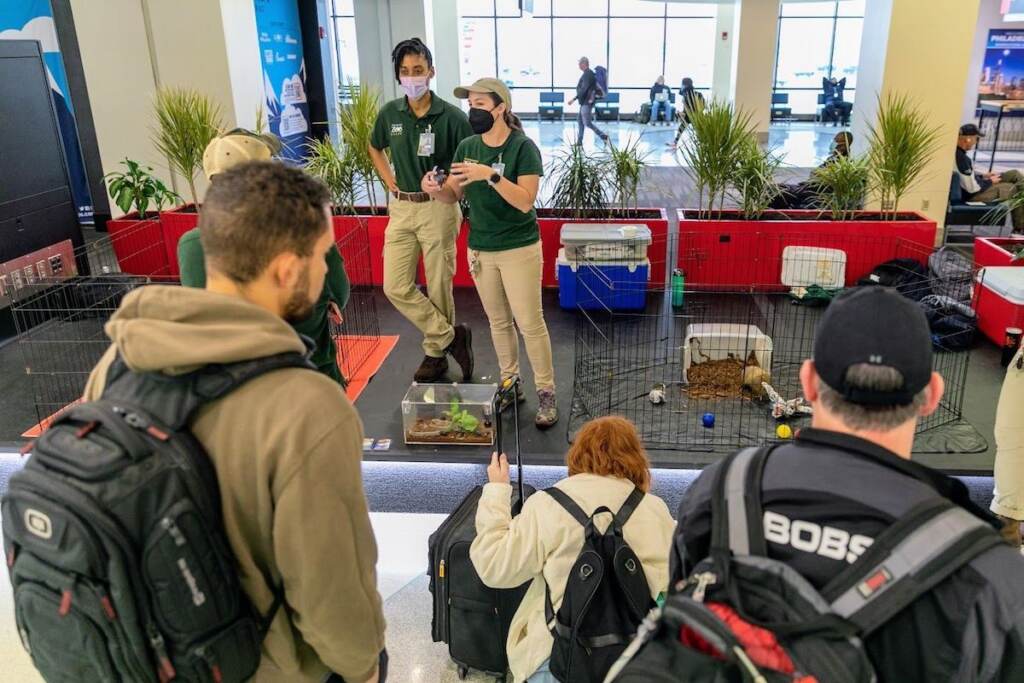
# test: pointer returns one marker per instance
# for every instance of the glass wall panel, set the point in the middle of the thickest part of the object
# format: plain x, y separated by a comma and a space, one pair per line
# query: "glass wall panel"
690, 51
524, 52
575, 38
637, 47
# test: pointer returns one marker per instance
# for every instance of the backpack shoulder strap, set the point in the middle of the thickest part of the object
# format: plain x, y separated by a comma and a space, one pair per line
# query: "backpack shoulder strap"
736, 503
569, 504
174, 400
910, 558
629, 507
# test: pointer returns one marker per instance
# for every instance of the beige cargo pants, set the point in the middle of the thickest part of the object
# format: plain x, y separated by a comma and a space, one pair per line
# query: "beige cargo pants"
1008, 497
428, 229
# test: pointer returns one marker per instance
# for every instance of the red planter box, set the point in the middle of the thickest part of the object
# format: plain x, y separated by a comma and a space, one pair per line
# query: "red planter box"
139, 245
174, 224
996, 251
551, 223
733, 252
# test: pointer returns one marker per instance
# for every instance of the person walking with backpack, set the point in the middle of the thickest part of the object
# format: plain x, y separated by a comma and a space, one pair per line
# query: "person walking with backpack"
498, 172
604, 506
587, 92
690, 100
285, 446
233, 149
836, 501
422, 132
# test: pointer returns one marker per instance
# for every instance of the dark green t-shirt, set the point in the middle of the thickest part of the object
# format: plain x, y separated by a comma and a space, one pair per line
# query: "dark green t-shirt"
398, 128
317, 327
494, 224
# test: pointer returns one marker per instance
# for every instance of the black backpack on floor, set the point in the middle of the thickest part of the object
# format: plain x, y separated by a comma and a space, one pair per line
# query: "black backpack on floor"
606, 596
472, 618
115, 543
821, 632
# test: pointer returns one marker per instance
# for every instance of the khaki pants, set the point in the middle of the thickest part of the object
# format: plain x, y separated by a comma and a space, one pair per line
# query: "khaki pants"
427, 228
1009, 184
508, 283
1008, 497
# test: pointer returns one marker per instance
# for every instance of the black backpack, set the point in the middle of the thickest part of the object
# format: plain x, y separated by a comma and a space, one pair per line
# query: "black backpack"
606, 596
115, 543
821, 631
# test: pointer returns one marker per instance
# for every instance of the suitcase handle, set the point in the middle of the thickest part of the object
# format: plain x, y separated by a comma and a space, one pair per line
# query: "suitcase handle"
503, 398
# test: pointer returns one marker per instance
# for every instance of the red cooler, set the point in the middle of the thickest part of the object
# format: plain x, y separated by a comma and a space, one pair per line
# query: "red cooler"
1000, 300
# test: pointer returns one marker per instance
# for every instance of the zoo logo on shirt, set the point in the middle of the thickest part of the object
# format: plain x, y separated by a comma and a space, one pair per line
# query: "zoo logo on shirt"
396, 129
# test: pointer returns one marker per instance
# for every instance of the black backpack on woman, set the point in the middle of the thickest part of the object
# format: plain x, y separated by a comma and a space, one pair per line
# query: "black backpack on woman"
606, 596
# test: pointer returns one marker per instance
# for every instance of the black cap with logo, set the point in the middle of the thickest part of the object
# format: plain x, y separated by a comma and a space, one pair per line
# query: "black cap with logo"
878, 326
969, 129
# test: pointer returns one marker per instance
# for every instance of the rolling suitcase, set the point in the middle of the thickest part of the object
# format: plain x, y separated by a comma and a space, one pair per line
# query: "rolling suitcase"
471, 617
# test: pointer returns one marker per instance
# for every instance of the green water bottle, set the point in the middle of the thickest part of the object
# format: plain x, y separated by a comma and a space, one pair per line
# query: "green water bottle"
678, 285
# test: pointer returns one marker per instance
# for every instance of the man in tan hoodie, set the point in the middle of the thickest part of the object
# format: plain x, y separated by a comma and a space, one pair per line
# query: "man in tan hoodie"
287, 446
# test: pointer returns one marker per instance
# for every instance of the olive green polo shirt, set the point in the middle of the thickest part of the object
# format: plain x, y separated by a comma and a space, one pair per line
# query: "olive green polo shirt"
494, 224
398, 128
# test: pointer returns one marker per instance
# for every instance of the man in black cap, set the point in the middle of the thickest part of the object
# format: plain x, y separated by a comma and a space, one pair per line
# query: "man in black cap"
987, 187
843, 481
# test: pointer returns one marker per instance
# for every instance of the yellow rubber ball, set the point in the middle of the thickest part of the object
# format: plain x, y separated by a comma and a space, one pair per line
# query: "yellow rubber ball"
783, 432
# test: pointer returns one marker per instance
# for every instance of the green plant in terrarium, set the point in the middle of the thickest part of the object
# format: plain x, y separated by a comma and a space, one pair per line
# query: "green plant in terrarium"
137, 188
461, 420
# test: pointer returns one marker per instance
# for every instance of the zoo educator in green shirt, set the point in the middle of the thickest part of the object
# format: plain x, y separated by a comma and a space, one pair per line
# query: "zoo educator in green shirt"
498, 172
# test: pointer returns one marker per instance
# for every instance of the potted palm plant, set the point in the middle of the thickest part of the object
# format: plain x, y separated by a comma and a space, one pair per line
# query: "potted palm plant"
136, 236
743, 246
186, 122
599, 188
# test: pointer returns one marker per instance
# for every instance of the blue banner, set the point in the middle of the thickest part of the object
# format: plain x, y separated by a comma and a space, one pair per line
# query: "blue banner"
284, 73
1005, 39
33, 20
1002, 73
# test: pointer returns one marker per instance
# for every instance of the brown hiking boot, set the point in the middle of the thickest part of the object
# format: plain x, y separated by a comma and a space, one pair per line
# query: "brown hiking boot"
547, 411
1010, 531
432, 370
461, 349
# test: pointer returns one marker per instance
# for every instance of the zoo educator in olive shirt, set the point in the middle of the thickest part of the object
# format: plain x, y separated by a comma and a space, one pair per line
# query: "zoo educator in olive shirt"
498, 172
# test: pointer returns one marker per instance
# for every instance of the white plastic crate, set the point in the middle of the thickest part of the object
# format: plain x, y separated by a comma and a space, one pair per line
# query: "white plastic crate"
717, 341
806, 266
605, 241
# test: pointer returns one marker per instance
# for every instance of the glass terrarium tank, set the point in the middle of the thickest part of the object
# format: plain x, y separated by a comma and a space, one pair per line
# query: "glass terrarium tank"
458, 414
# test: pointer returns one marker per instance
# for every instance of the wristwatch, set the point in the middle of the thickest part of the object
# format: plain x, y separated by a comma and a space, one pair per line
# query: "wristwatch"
494, 179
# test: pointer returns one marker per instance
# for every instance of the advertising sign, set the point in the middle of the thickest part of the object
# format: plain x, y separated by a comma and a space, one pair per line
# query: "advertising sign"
284, 73
1002, 72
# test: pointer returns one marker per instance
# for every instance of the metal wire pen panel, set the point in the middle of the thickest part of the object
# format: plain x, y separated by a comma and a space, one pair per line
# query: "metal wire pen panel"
359, 334
691, 364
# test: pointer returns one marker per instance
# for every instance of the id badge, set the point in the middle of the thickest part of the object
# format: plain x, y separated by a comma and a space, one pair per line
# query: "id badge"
426, 146
498, 167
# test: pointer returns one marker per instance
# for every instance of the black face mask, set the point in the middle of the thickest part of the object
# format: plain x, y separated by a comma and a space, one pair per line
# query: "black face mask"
480, 120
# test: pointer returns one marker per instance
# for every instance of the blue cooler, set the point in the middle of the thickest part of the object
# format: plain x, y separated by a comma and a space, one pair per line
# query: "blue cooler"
612, 285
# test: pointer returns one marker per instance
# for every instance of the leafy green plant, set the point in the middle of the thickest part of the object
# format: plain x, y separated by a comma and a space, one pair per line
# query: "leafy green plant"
719, 142
901, 143
461, 420
136, 187
358, 107
753, 181
579, 184
336, 168
186, 121
842, 186
626, 165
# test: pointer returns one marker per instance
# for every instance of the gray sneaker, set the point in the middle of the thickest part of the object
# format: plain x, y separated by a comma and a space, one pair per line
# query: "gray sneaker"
547, 412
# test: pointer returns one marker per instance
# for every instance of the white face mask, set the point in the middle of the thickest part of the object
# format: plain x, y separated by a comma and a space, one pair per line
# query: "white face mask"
415, 87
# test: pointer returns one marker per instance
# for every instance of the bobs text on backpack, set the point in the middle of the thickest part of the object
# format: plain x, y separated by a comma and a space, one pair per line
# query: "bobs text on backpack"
115, 543
742, 616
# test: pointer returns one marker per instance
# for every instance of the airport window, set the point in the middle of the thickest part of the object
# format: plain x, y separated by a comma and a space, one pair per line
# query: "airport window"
637, 40
346, 56
817, 40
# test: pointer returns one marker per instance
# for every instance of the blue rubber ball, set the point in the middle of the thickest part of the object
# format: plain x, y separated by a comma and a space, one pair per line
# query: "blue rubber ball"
708, 419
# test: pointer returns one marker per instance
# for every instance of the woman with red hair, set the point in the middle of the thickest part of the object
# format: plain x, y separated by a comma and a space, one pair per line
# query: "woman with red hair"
606, 464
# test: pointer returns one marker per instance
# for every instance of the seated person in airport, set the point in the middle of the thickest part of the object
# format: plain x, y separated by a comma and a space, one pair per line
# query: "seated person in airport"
988, 187
228, 151
836, 109
850, 476
691, 99
606, 464
1008, 496
660, 104
286, 446
805, 195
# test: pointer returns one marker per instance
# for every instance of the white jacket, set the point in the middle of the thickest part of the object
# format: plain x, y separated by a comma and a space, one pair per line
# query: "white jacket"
1008, 496
542, 544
